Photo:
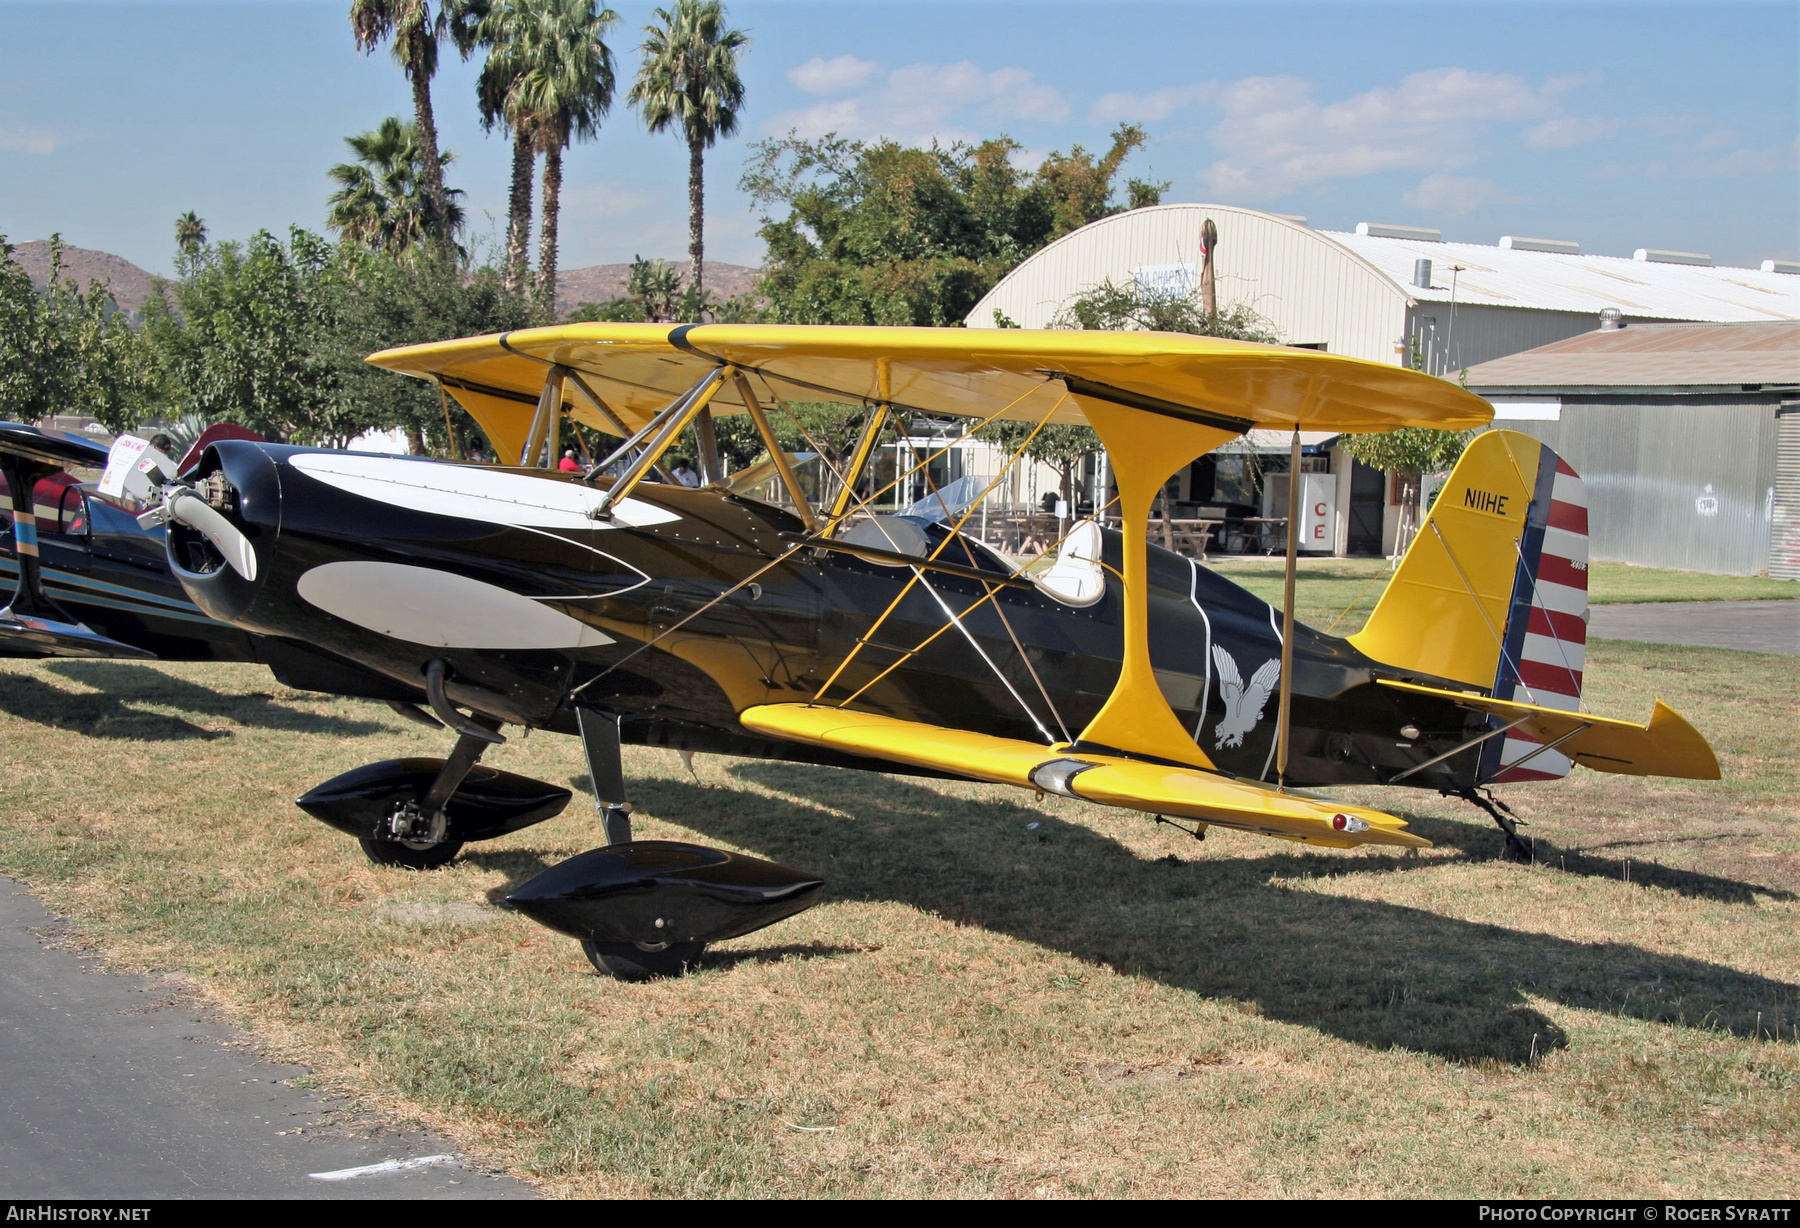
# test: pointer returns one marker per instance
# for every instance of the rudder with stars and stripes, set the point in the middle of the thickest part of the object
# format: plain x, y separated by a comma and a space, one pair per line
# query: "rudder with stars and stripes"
1545, 642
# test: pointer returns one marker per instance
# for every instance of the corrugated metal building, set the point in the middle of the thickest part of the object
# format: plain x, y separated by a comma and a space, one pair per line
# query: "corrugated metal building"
1687, 435
1385, 293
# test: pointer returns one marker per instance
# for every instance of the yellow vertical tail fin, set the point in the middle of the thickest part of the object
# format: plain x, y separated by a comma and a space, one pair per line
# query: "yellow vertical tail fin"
1493, 590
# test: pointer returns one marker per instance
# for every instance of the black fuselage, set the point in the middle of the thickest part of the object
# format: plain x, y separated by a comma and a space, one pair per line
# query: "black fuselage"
683, 661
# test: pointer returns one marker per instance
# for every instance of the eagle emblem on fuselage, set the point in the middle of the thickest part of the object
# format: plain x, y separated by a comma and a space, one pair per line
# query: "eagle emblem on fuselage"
1243, 704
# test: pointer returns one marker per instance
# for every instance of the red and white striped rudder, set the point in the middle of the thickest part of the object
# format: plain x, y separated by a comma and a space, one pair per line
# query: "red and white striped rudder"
1545, 643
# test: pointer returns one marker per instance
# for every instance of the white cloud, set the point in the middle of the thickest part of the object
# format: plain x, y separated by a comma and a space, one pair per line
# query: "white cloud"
1571, 130
924, 102
16, 137
1277, 138
1156, 105
1572, 81
1772, 160
1781, 159
1458, 195
834, 76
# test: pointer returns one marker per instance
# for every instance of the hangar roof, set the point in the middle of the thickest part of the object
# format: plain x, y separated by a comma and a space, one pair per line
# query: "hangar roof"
1514, 277
1652, 356
1311, 283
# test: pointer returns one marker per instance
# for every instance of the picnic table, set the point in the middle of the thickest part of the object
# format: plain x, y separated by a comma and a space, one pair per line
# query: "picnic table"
1187, 537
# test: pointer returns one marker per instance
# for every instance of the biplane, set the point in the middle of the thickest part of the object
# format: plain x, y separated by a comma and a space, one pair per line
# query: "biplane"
621, 607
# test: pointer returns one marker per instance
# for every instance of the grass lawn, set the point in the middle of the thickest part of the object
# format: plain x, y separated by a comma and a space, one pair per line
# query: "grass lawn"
1001, 996
1343, 591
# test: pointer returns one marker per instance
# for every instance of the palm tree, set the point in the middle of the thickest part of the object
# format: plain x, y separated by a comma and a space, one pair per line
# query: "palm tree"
689, 78
657, 288
380, 202
190, 233
557, 72
417, 26
498, 31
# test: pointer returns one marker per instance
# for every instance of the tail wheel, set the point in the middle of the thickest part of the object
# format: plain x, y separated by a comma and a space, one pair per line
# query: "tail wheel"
408, 856
626, 961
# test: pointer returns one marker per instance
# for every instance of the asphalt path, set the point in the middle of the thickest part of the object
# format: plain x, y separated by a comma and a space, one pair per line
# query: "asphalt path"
1750, 626
115, 1086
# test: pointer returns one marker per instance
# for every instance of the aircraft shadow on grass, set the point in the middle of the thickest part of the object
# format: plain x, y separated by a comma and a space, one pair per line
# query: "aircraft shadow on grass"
1377, 974
1476, 842
109, 711
94, 715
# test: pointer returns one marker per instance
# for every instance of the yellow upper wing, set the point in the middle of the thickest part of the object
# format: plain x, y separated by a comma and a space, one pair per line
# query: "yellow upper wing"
1109, 780
636, 369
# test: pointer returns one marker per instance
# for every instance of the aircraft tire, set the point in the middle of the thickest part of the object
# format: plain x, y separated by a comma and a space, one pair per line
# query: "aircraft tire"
393, 853
624, 961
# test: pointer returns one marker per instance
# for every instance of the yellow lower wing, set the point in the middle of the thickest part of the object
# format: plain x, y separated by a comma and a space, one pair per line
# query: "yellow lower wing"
1105, 779
1667, 746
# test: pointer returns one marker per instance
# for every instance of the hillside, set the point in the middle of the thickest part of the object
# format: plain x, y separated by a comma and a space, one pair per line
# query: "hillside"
595, 284
130, 284
599, 282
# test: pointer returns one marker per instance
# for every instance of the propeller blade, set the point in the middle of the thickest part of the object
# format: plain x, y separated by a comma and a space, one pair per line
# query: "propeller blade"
194, 512
129, 466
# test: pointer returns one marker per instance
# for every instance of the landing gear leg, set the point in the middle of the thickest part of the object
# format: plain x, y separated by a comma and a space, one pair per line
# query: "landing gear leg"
606, 772
1515, 849
415, 836
625, 961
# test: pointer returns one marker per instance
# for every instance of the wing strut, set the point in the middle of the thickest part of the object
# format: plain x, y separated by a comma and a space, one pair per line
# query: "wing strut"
674, 420
778, 454
1284, 714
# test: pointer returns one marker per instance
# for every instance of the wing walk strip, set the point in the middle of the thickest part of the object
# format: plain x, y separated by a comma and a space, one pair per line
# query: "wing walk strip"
1106, 780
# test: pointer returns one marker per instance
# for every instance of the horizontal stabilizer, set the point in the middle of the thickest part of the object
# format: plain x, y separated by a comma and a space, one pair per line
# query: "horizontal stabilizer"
1667, 746
28, 635
1108, 780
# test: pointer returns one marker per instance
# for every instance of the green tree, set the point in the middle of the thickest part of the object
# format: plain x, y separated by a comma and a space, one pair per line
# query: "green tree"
274, 335
416, 28
1133, 307
888, 234
558, 75
240, 340
1410, 452
190, 232
27, 390
382, 302
1062, 446
381, 201
689, 80
655, 287
69, 350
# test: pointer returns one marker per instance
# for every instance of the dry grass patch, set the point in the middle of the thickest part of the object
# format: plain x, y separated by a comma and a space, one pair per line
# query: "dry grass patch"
1096, 1006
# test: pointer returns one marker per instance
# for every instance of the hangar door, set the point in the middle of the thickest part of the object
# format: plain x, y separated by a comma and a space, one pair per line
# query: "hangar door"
1367, 491
1784, 535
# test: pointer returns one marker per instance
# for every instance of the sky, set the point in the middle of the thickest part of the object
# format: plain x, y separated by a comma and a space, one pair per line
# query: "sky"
1619, 125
